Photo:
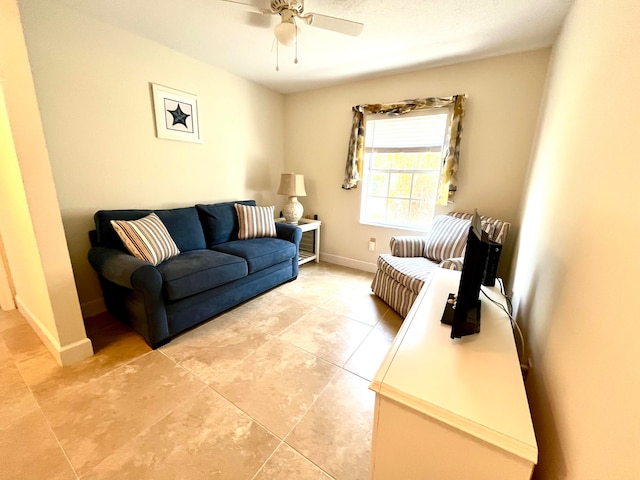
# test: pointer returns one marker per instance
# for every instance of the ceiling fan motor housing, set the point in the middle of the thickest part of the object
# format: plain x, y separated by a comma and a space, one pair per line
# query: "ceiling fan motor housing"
295, 6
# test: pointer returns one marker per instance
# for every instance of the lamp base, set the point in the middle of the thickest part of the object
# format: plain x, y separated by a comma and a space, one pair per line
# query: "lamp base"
292, 210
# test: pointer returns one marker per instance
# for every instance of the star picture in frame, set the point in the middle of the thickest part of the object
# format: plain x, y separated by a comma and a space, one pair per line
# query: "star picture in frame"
176, 114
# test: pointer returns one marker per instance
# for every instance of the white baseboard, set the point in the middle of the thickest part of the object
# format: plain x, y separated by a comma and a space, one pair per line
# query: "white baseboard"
348, 262
93, 307
64, 354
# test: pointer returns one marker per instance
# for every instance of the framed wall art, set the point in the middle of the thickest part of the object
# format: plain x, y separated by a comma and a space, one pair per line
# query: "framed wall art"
176, 114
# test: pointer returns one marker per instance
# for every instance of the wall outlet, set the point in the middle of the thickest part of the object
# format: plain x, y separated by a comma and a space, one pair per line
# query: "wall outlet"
372, 244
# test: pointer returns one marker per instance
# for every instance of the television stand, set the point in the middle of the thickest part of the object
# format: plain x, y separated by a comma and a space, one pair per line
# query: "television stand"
470, 327
451, 409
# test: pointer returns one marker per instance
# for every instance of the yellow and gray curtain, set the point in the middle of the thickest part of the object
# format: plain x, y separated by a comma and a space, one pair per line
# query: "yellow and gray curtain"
451, 149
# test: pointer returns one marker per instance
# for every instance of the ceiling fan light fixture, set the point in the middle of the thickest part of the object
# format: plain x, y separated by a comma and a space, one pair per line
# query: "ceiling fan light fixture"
286, 33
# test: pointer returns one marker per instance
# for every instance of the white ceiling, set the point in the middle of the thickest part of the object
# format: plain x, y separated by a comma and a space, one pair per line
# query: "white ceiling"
398, 35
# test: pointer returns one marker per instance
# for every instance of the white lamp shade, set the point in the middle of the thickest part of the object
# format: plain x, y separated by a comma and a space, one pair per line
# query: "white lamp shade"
286, 33
292, 185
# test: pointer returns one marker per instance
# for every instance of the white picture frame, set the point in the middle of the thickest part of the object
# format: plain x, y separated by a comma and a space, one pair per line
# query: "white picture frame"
176, 114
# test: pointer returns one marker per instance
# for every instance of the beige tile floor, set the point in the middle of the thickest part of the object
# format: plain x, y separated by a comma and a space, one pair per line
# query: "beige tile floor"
276, 388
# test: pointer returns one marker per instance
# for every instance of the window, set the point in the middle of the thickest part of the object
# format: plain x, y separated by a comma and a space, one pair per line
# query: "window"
402, 162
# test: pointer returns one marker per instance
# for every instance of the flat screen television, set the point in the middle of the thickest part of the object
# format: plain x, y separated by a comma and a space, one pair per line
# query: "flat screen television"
462, 310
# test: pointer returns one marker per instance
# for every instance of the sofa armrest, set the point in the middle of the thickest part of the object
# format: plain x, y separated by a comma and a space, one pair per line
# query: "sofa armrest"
407, 246
291, 233
145, 308
124, 269
452, 263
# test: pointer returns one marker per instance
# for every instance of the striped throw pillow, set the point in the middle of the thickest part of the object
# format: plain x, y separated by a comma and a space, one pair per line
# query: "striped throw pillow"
147, 238
255, 222
447, 238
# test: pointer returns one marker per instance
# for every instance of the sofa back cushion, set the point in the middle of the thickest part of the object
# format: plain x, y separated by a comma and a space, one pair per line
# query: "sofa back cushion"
182, 223
220, 221
496, 229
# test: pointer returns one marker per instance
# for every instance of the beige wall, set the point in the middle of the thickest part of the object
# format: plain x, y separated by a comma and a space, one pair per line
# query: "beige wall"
33, 238
92, 83
93, 87
6, 284
502, 109
576, 279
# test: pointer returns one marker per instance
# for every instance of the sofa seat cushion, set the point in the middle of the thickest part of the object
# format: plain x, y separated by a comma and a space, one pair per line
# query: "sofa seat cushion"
199, 270
260, 253
410, 272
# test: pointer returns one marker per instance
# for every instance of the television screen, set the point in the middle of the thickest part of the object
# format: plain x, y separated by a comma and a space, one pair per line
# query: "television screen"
462, 311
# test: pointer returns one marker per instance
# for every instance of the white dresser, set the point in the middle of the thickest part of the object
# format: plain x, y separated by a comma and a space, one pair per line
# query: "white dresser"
452, 409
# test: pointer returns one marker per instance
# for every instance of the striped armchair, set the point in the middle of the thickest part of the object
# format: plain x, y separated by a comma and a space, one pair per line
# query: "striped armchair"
402, 273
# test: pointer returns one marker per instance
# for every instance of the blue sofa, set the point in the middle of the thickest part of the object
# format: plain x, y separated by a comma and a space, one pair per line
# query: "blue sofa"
213, 272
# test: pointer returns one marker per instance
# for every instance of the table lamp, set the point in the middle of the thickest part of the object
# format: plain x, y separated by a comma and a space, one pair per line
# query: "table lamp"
292, 185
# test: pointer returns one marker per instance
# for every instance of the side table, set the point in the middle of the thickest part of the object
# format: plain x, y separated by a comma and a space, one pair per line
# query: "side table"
310, 243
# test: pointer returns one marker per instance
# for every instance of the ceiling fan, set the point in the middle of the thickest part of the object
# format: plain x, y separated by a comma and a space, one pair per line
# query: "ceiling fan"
289, 10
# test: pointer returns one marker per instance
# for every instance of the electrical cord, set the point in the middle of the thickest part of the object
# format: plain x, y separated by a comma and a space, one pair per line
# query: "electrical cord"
509, 311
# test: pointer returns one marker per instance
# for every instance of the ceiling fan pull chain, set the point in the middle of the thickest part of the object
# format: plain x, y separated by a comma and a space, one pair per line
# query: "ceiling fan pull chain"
277, 57
296, 25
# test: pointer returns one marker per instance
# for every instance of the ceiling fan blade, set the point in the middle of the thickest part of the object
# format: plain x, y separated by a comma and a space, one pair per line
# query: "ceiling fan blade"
335, 24
250, 8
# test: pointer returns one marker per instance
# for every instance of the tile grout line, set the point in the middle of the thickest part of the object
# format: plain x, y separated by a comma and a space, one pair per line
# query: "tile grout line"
144, 429
50, 428
147, 428
62, 449
341, 366
304, 415
267, 460
310, 276
211, 387
283, 438
39, 409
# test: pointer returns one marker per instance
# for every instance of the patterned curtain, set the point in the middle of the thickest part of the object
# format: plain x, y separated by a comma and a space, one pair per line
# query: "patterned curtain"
451, 149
